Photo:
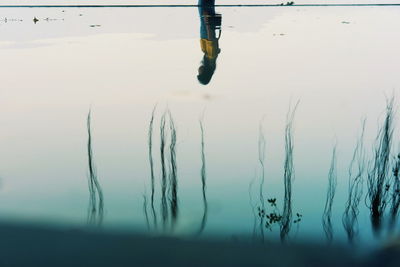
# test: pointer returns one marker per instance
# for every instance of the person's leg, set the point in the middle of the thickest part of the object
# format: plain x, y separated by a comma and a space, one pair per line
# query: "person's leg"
206, 2
206, 13
206, 7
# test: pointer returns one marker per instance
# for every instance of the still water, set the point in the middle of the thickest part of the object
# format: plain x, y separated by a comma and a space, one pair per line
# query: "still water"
285, 87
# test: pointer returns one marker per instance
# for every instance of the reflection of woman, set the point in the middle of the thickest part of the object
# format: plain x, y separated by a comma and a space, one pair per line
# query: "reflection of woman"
210, 23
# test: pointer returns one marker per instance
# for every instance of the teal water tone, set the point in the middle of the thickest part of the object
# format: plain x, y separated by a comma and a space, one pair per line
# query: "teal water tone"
272, 133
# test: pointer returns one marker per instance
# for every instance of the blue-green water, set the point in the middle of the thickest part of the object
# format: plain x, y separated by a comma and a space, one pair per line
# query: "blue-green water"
339, 63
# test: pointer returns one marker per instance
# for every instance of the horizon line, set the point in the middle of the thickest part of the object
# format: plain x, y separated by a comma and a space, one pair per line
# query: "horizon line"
222, 5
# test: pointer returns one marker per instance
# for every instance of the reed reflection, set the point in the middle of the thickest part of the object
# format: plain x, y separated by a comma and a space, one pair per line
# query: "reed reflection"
169, 209
380, 171
166, 219
96, 200
173, 173
151, 161
288, 177
378, 177
330, 195
355, 188
210, 33
270, 215
395, 201
203, 173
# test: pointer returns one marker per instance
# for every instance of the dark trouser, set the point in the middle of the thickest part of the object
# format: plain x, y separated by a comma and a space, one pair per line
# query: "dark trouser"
206, 2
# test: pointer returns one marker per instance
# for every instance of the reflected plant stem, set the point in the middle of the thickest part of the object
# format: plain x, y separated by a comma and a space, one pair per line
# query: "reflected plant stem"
253, 207
146, 215
395, 203
151, 161
330, 195
169, 209
96, 202
378, 185
286, 221
203, 174
164, 205
173, 175
355, 188
261, 159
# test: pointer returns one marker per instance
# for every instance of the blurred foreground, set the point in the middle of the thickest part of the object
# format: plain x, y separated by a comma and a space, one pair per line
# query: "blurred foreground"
40, 246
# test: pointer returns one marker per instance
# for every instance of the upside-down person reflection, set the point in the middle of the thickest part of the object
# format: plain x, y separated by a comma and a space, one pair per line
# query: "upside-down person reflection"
210, 25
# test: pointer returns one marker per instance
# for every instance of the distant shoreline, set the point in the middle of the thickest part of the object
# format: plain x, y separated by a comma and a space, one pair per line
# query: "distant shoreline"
233, 5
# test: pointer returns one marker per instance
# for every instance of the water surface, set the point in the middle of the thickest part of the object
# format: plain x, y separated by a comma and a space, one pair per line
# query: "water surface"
339, 64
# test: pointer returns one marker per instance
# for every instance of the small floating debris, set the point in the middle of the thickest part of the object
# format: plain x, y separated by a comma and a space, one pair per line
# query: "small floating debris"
5, 20
95, 25
345, 22
287, 4
35, 20
50, 19
80, 15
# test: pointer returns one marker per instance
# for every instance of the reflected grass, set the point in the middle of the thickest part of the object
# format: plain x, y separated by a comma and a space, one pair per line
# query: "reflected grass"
381, 174
164, 205
378, 173
268, 218
203, 174
395, 194
173, 173
96, 200
261, 160
356, 173
151, 162
330, 195
169, 201
286, 222
146, 214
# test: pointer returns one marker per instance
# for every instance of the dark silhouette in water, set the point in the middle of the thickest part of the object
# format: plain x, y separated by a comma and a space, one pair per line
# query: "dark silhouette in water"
355, 188
261, 160
173, 172
395, 203
271, 216
151, 161
164, 205
286, 221
378, 178
253, 208
203, 174
96, 202
210, 22
169, 209
330, 195
146, 215
261, 209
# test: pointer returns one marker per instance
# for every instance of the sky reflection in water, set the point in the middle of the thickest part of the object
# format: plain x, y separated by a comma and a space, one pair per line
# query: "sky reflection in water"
337, 62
